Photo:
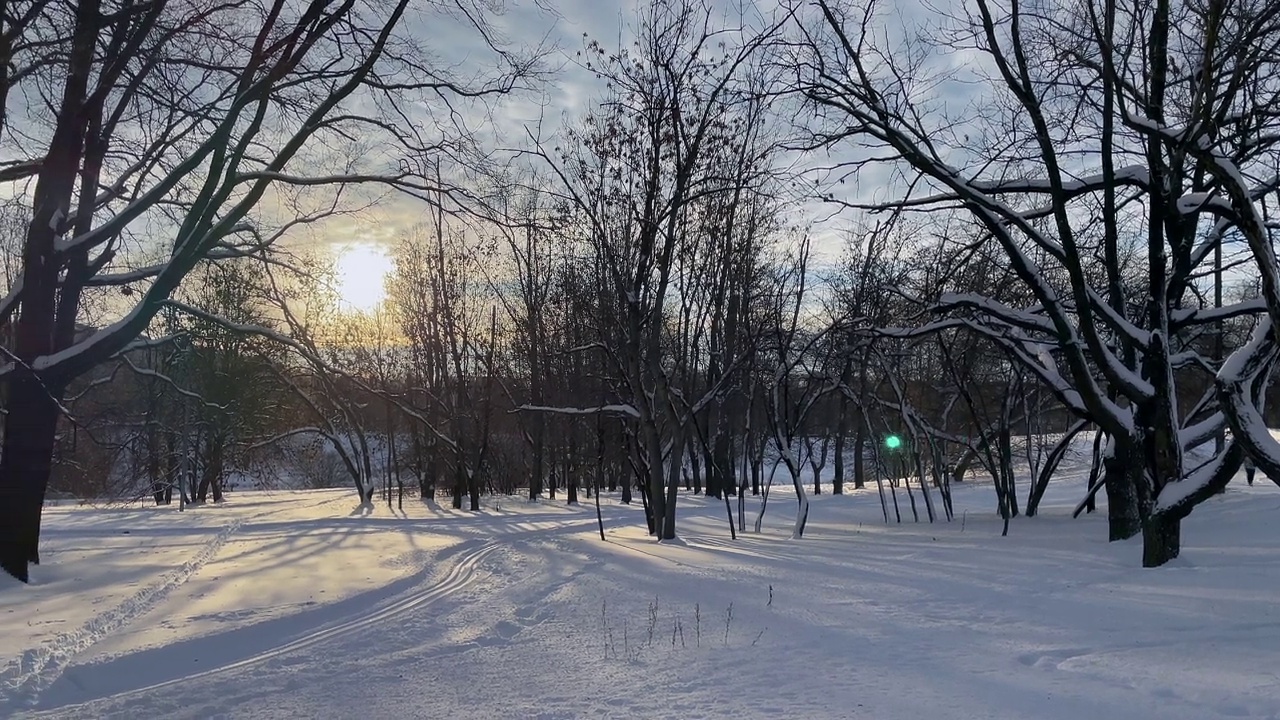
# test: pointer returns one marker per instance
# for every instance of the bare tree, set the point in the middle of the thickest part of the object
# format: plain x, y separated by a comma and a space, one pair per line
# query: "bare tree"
799, 382
635, 174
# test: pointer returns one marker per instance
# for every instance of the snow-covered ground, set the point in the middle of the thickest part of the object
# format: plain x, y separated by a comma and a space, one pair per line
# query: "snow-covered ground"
284, 605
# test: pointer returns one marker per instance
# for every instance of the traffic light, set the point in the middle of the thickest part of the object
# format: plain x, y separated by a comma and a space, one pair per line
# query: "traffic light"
893, 442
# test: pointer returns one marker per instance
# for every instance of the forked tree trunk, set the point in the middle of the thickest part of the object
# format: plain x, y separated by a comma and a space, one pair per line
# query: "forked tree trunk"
794, 468
211, 478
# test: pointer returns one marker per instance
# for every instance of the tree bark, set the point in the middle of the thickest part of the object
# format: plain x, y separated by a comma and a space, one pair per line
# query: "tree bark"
1123, 518
842, 429
211, 478
459, 484
859, 448
24, 472
669, 508
153, 462
1161, 540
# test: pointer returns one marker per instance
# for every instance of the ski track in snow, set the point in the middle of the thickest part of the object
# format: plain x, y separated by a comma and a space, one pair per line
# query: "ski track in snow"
463, 573
465, 570
36, 669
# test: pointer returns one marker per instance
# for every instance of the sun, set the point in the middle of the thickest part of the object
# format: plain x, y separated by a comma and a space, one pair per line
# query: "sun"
361, 269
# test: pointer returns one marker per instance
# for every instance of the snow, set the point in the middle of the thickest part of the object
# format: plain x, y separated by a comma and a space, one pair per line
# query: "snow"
1130, 174
616, 409
286, 605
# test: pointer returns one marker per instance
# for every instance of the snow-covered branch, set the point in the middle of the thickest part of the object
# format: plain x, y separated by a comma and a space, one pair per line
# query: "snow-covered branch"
615, 409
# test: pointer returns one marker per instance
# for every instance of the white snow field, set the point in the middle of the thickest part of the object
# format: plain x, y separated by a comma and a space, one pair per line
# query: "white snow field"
284, 605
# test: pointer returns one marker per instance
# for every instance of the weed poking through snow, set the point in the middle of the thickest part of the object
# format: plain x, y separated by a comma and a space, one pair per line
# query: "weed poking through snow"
728, 620
653, 621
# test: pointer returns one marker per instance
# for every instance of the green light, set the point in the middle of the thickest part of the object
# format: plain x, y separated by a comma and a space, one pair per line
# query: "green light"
893, 442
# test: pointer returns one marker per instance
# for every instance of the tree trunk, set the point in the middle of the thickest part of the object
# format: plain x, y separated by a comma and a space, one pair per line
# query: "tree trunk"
786, 446
571, 470
719, 475
816, 468
924, 486
420, 465
153, 463
649, 517
842, 429
29, 436
1123, 519
655, 481
693, 479
1005, 444
459, 485
535, 479
673, 485
859, 448
1095, 472
905, 478
172, 466
189, 462
1161, 540
211, 478
24, 472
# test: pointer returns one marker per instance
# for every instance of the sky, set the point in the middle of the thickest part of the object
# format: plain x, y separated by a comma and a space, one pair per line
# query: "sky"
562, 28
559, 29
362, 245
